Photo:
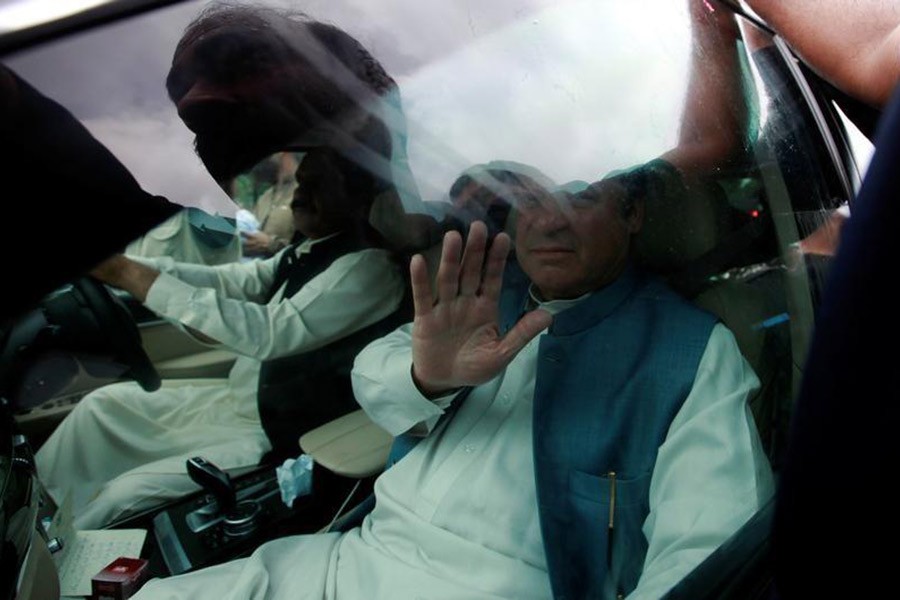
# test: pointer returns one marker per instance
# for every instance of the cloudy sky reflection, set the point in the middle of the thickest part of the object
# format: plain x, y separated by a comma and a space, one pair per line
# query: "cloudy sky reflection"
575, 88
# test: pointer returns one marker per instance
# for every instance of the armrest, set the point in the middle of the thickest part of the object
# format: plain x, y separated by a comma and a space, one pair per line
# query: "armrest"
351, 446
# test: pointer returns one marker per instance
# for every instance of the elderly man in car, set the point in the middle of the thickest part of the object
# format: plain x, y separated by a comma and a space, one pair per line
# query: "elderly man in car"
587, 424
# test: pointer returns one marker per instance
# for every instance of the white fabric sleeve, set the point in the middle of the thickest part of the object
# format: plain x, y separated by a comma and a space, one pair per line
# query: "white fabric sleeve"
711, 473
358, 289
248, 280
384, 387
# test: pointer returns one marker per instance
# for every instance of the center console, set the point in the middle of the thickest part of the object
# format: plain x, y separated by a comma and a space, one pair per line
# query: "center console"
220, 523
233, 515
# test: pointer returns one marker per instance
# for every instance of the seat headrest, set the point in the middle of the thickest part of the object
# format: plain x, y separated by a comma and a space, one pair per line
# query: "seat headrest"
681, 225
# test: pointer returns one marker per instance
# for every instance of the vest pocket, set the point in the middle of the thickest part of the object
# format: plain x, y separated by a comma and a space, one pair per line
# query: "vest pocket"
613, 566
598, 488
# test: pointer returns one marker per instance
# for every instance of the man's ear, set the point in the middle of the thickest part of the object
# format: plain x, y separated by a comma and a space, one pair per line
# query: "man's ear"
635, 218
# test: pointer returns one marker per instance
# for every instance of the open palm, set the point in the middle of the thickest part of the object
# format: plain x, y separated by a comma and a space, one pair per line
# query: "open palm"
456, 339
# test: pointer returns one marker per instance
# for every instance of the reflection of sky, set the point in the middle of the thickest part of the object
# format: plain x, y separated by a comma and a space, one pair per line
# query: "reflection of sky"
20, 14
566, 89
574, 88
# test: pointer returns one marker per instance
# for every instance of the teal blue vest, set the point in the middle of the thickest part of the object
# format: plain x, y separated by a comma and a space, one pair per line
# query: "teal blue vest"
612, 373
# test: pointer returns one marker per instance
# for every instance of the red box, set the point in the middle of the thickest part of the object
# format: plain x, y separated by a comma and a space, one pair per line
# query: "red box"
120, 579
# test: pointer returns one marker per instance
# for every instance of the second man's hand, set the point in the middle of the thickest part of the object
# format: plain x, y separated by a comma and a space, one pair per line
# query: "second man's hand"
256, 243
456, 338
120, 271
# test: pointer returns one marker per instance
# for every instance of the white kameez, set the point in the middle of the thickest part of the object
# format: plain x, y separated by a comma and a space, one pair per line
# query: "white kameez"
122, 450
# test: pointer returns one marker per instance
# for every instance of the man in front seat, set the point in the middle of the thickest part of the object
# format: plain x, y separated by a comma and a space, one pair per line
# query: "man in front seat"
296, 319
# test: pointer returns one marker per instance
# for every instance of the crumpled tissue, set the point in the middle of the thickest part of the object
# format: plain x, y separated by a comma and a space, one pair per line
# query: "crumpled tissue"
295, 478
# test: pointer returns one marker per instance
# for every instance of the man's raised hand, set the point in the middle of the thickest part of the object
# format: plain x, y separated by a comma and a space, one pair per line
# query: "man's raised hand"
456, 338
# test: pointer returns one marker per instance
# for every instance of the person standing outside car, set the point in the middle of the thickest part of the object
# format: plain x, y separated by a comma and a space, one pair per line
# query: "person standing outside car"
853, 44
844, 419
273, 212
44, 142
323, 297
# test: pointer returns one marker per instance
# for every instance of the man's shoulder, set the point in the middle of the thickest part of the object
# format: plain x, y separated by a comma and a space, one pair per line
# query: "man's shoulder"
366, 260
654, 293
654, 289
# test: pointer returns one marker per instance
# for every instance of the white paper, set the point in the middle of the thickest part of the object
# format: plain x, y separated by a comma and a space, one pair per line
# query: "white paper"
86, 553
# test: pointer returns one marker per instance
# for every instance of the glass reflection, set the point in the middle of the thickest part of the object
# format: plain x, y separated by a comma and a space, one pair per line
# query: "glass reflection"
671, 157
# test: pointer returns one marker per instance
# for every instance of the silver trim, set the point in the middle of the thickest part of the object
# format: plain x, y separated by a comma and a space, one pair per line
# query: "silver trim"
818, 115
170, 546
207, 515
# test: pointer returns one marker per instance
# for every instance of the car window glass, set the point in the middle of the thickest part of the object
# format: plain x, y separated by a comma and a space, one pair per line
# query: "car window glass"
807, 194
552, 103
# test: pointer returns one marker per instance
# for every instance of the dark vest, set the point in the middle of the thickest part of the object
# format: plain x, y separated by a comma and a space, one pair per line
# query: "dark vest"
302, 391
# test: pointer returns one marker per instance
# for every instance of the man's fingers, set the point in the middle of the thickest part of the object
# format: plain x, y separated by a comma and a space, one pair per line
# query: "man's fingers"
473, 259
448, 271
421, 285
493, 269
110, 269
531, 324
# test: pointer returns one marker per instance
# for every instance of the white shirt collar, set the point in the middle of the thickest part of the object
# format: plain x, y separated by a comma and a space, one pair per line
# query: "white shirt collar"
306, 245
553, 306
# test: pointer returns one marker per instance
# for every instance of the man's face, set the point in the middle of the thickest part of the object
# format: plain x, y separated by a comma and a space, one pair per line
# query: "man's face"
569, 246
320, 205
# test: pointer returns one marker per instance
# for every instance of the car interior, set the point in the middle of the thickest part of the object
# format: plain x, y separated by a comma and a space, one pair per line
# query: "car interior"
569, 102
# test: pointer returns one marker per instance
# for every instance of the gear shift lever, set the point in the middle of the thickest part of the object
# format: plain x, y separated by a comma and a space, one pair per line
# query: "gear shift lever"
215, 481
240, 518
